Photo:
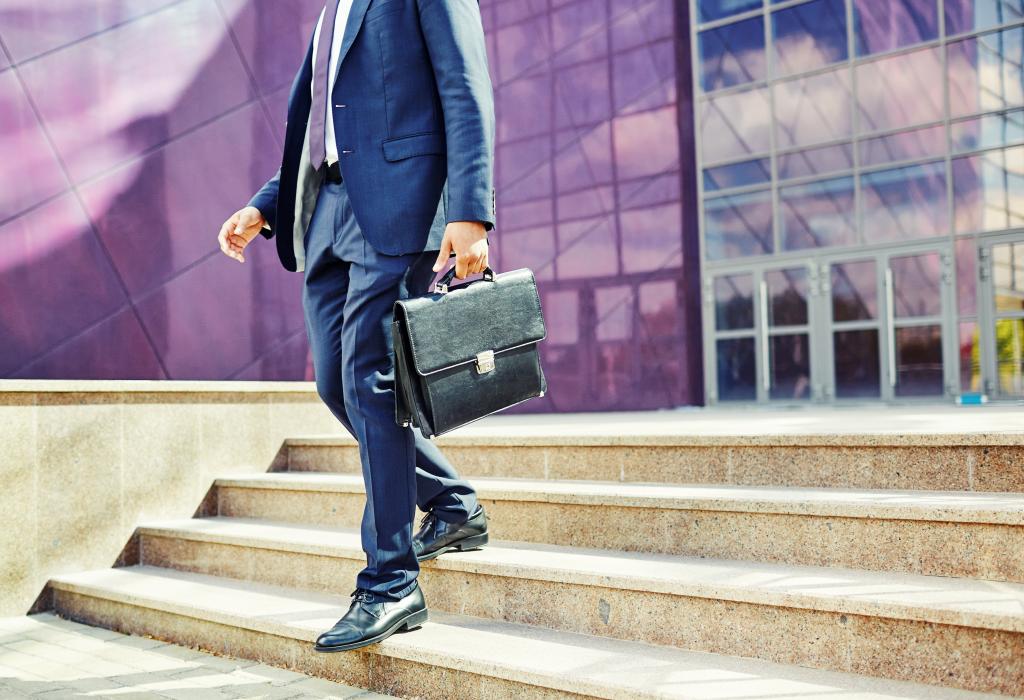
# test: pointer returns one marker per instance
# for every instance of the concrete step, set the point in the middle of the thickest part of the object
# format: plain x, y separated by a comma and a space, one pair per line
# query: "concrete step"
945, 631
911, 461
480, 657
941, 533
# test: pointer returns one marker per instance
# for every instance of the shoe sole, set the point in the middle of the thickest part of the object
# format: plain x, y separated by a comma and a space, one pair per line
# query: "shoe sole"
413, 621
473, 542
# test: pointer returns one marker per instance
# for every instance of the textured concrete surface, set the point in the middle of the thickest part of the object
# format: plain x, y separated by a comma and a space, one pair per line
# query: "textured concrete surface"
44, 656
967, 507
482, 658
978, 535
865, 425
891, 462
920, 490
943, 600
960, 632
82, 462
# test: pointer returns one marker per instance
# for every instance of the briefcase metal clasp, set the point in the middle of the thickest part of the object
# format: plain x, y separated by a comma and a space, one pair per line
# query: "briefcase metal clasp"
484, 361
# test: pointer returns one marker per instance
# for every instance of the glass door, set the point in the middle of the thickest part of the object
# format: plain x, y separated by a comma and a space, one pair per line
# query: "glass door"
730, 336
759, 335
873, 326
888, 325
855, 328
785, 323
917, 287
1002, 316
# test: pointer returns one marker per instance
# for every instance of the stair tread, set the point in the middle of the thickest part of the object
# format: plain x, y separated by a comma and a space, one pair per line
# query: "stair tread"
549, 658
832, 426
943, 600
946, 506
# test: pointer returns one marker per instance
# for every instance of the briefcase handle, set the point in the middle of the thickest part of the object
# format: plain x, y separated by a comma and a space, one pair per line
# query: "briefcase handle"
442, 284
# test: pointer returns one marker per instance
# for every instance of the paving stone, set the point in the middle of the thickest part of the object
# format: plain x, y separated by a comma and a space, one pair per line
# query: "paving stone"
11, 690
319, 688
43, 656
278, 676
65, 692
49, 652
190, 693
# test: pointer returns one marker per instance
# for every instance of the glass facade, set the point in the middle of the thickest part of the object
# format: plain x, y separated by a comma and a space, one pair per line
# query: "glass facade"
862, 164
131, 128
723, 200
590, 181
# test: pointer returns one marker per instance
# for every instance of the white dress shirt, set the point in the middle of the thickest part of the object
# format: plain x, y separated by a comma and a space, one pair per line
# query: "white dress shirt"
330, 143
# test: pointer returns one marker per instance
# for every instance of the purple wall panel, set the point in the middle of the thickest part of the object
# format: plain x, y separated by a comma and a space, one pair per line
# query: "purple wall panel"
582, 96
584, 157
577, 32
649, 236
639, 22
272, 36
31, 27
114, 348
646, 143
524, 173
645, 78
102, 108
55, 281
525, 106
277, 106
589, 192
287, 361
22, 138
224, 335
184, 184
109, 265
137, 127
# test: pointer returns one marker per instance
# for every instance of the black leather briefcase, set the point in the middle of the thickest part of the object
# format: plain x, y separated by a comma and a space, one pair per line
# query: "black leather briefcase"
465, 352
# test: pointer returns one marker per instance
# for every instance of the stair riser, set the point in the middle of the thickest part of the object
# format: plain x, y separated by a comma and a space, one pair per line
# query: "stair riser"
941, 468
987, 551
384, 674
965, 657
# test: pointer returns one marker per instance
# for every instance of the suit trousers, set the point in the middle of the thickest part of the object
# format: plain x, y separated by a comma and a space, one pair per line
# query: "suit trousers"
348, 295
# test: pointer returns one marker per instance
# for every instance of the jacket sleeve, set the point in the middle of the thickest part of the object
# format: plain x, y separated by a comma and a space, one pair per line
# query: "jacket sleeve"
266, 201
454, 34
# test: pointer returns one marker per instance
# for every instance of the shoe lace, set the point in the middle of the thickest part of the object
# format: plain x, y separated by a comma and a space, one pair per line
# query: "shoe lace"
428, 518
361, 595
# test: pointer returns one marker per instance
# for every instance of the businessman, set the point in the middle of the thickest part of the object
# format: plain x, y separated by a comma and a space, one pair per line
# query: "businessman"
387, 171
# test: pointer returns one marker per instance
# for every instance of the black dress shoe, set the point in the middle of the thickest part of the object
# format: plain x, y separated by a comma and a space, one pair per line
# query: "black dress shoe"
435, 536
371, 619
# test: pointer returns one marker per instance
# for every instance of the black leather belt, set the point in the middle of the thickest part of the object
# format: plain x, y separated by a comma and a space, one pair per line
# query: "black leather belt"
332, 173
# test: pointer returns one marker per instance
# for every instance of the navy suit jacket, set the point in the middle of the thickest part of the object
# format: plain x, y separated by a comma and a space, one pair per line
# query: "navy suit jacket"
414, 122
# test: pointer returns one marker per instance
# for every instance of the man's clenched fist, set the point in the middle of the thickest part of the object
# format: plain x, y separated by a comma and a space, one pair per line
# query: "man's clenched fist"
468, 239
236, 233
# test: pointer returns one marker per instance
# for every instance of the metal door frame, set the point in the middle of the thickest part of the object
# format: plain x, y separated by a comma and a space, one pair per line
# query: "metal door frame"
987, 310
761, 331
887, 323
820, 327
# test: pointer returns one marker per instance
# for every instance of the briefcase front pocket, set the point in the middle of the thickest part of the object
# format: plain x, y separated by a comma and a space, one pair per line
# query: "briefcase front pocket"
516, 377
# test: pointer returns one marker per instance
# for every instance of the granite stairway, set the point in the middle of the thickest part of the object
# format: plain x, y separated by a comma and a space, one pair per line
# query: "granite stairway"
621, 567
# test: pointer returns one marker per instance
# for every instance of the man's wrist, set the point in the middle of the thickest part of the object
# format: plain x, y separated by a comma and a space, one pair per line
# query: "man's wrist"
481, 225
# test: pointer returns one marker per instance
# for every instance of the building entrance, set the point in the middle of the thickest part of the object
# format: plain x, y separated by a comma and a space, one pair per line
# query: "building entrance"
872, 325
